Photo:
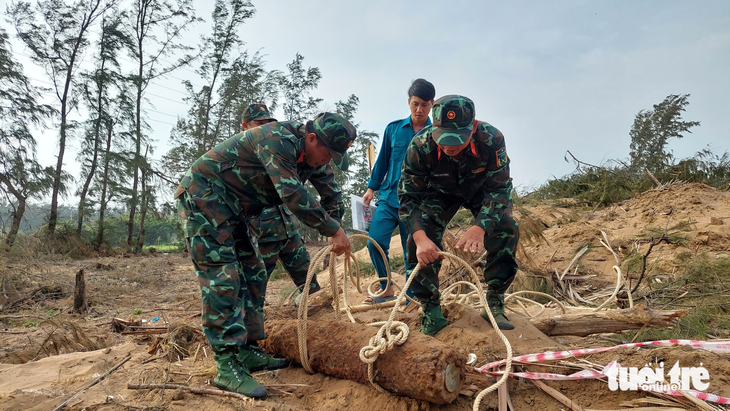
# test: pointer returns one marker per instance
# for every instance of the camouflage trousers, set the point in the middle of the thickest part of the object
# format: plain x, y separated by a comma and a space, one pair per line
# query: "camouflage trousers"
293, 255
501, 245
230, 291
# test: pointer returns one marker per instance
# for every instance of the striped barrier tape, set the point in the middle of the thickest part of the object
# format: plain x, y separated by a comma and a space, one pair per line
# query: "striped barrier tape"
715, 346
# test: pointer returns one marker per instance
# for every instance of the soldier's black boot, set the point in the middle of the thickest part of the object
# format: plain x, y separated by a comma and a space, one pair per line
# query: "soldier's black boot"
496, 306
231, 375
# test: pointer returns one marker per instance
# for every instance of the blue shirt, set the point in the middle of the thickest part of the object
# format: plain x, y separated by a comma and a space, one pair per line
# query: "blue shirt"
387, 169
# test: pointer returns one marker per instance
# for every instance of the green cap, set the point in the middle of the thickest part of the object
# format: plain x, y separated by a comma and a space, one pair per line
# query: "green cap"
257, 112
453, 120
337, 134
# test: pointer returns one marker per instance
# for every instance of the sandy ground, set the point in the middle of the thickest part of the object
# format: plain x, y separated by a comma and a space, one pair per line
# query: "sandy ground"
48, 354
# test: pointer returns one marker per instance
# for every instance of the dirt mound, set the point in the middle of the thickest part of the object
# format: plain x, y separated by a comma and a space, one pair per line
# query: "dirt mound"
695, 217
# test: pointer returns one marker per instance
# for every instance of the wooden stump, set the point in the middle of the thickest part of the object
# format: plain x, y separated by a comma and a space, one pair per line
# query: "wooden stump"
80, 293
422, 368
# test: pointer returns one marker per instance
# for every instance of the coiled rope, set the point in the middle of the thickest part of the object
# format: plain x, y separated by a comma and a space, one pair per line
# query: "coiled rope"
391, 332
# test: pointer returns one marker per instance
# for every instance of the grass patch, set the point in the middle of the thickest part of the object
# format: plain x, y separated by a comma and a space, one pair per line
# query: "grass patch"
366, 268
397, 263
703, 291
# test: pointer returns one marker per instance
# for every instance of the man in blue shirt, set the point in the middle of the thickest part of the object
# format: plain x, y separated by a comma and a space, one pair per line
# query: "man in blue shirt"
385, 176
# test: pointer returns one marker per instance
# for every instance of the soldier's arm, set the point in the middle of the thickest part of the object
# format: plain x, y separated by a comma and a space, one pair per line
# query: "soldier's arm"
498, 187
411, 187
330, 194
278, 157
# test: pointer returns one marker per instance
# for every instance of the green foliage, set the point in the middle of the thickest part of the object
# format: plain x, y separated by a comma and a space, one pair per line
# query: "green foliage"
397, 263
601, 185
593, 185
652, 130
297, 85
30, 324
137, 311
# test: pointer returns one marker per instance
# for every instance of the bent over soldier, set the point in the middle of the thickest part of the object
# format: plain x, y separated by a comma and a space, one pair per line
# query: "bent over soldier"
458, 161
276, 228
262, 167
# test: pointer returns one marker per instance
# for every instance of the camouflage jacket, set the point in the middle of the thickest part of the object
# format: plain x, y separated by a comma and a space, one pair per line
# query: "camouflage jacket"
479, 180
259, 168
274, 224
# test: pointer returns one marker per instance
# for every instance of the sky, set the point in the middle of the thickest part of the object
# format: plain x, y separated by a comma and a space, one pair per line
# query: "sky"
552, 76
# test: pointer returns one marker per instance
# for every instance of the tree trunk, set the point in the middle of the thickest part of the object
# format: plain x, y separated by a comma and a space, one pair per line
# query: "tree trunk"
422, 368
142, 213
80, 293
610, 321
19, 210
97, 132
104, 183
137, 137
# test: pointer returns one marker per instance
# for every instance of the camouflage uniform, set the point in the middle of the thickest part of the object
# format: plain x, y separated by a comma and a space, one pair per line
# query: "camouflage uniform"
433, 186
278, 237
238, 178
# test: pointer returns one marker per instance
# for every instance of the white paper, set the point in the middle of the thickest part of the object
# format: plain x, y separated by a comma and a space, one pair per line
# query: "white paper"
361, 215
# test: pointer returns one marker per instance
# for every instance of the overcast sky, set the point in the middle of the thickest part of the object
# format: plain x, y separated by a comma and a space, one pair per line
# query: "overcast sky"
551, 75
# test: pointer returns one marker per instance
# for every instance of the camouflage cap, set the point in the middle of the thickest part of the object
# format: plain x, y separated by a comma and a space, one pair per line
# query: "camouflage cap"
337, 134
257, 112
453, 120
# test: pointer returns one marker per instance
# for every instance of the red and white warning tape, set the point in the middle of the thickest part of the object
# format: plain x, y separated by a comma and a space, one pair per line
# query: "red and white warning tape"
715, 346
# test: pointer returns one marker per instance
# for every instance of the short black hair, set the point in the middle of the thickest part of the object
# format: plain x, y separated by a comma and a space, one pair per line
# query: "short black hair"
422, 89
309, 128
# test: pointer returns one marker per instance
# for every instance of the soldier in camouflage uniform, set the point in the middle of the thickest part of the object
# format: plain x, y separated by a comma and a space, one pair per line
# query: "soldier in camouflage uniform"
277, 232
237, 179
458, 161
276, 228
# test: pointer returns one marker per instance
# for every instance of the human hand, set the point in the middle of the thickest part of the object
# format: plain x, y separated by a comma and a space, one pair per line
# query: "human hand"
367, 197
339, 242
426, 250
472, 241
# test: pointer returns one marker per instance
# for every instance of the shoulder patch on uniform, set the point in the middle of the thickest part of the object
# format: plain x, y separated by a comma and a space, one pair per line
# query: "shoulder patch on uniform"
502, 159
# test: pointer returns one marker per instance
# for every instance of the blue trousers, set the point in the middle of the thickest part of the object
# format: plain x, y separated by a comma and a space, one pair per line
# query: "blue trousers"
385, 221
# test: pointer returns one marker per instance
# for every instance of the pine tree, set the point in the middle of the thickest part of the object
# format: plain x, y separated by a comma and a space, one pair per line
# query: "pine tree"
57, 35
20, 174
652, 130
148, 52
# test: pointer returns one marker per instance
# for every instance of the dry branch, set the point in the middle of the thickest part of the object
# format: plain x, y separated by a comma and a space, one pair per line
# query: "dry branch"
204, 391
96, 381
611, 321
558, 396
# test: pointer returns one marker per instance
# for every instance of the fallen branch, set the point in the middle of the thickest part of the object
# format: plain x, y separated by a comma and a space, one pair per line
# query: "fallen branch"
611, 321
203, 391
96, 381
558, 396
